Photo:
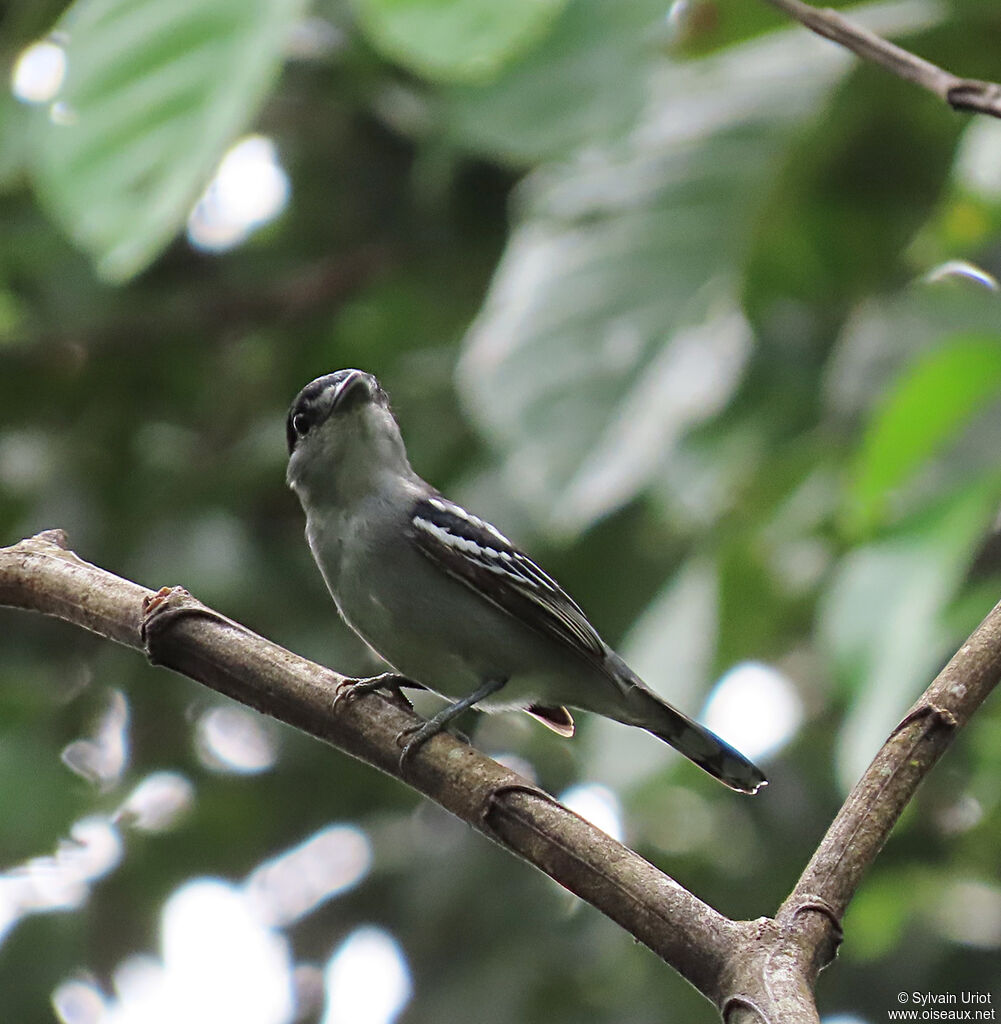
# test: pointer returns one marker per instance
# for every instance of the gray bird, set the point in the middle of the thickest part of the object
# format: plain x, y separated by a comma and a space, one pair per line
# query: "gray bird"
445, 598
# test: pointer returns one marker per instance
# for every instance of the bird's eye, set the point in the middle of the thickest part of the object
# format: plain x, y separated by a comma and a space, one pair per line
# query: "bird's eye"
301, 423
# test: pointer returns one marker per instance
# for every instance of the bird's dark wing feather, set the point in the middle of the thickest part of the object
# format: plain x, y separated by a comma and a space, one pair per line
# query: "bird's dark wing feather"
481, 557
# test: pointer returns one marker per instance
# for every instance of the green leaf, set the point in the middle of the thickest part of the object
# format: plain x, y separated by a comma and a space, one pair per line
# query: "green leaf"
925, 410
886, 333
612, 326
456, 40
584, 83
154, 94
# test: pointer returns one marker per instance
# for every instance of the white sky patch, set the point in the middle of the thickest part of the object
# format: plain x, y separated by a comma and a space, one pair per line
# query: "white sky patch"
598, 805
222, 955
218, 963
61, 881
39, 72
368, 979
232, 739
249, 189
295, 883
754, 707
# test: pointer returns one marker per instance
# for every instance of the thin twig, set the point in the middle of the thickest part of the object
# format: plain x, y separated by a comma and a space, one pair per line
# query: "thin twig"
960, 93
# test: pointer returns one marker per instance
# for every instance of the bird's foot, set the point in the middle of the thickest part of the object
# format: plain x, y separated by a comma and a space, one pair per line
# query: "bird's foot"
349, 690
413, 738
420, 734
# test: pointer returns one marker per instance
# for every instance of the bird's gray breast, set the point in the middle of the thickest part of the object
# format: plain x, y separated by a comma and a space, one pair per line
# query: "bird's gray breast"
428, 625
394, 598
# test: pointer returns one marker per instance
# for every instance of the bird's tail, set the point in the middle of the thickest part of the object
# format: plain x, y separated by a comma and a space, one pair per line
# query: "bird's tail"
649, 711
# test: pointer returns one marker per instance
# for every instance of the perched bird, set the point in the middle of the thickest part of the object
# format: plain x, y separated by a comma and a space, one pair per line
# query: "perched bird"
445, 598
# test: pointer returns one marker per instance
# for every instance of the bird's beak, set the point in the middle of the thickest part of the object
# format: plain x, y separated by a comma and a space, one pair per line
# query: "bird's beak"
352, 390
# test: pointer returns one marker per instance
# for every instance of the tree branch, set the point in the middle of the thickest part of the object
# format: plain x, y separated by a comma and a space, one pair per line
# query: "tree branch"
864, 823
960, 93
177, 631
756, 972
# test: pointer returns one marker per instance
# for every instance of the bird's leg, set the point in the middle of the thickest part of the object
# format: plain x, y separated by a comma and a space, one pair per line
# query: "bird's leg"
420, 734
351, 689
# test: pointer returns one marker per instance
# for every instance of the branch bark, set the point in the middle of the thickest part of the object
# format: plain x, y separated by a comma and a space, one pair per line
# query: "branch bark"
865, 821
754, 971
181, 633
960, 93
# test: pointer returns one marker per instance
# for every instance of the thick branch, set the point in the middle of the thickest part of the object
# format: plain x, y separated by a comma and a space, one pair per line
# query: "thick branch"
755, 971
869, 814
41, 575
960, 93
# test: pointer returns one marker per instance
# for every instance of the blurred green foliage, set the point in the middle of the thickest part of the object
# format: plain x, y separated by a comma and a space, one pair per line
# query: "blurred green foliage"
652, 289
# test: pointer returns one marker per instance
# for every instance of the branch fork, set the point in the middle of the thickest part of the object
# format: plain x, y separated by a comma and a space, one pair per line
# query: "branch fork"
753, 971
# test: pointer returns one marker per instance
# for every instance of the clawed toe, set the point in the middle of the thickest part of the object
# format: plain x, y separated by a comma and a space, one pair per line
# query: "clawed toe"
344, 692
412, 739
348, 690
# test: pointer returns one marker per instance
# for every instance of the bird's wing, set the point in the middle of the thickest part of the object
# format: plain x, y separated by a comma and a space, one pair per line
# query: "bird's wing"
481, 557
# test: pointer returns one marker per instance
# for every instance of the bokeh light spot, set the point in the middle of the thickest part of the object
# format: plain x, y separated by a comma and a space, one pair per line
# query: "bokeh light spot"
289, 886
249, 189
39, 72
969, 913
755, 707
102, 757
368, 979
78, 1002
598, 805
61, 881
962, 270
156, 803
218, 964
232, 739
